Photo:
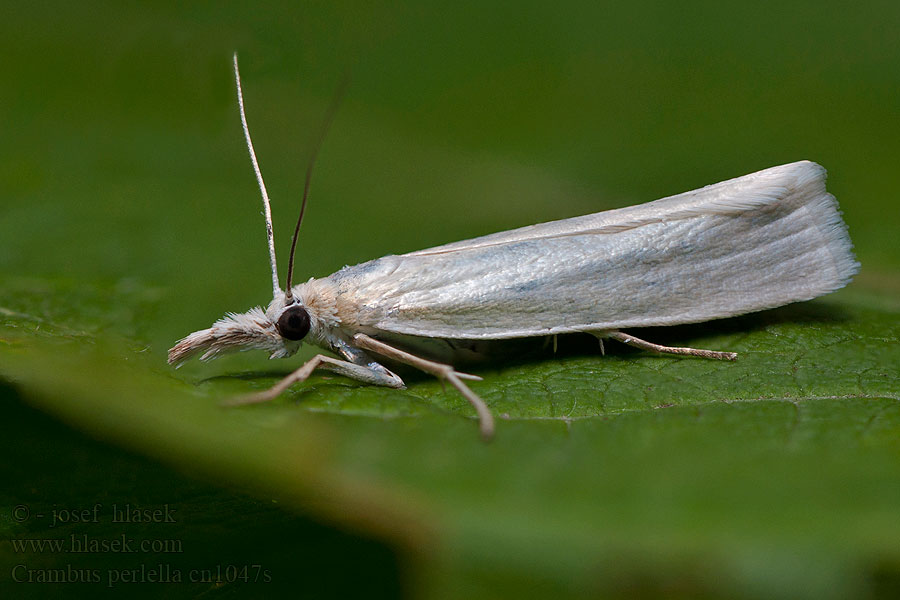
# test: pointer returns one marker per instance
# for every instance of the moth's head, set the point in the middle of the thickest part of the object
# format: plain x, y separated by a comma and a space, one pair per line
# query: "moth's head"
288, 319
279, 330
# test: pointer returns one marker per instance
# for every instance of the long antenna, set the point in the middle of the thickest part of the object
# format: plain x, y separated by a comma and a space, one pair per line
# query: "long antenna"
329, 117
276, 288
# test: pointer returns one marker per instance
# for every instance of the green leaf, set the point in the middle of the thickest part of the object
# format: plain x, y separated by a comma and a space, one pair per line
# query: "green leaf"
135, 221
777, 472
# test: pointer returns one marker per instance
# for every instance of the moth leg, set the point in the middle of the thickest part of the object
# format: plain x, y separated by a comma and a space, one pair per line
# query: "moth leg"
374, 374
439, 370
629, 339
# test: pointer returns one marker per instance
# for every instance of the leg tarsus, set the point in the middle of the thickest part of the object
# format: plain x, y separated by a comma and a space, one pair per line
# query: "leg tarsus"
439, 370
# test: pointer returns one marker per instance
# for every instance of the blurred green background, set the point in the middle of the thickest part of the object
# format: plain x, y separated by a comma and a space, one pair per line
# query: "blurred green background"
130, 217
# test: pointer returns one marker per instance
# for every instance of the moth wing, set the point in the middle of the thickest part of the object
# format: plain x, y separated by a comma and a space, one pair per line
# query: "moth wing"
747, 244
727, 197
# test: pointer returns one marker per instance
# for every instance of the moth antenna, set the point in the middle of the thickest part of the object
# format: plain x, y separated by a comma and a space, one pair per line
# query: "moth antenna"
270, 234
329, 117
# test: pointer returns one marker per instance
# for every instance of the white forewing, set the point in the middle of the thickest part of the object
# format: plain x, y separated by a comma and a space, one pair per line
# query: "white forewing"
751, 243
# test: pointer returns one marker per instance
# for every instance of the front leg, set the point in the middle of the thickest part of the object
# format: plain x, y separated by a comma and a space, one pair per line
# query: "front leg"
373, 373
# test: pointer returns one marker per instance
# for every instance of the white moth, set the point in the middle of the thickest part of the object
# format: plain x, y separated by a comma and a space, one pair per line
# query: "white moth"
747, 244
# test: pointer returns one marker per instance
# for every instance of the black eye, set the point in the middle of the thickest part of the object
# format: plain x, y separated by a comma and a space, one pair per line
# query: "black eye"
293, 324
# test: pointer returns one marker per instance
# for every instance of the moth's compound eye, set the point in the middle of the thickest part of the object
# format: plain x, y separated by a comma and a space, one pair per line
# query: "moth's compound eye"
293, 324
